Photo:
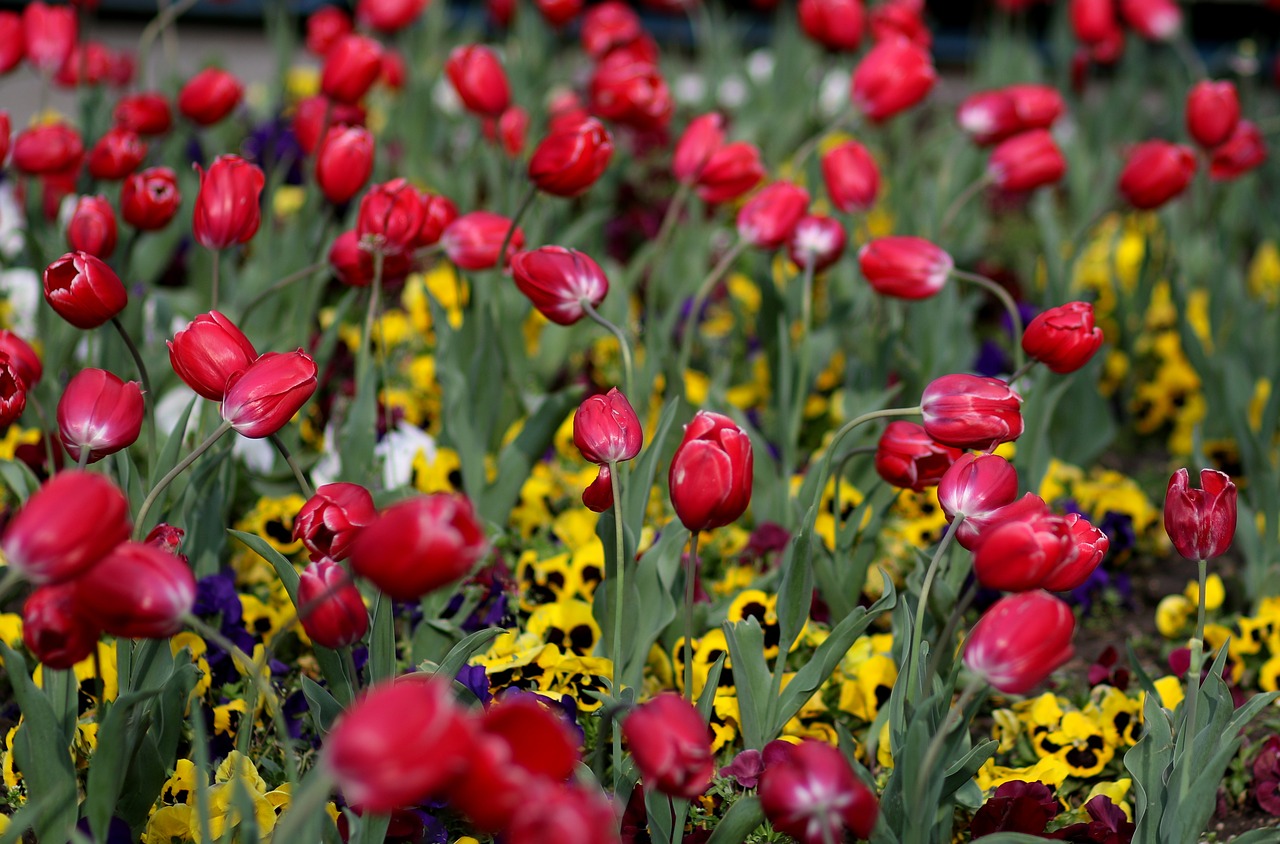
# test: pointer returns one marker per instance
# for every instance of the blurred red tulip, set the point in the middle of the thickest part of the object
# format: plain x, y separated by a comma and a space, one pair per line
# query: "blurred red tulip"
1156, 172
13, 41
608, 25
50, 540
558, 12
768, 219
351, 66
146, 113
701, 139
1027, 161
473, 240
50, 148
92, 227
557, 281
1016, 555
324, 27
389, 15
905, 267
329, 605
1245, 150
1020, 641
23, 358
208, 352
480, 80
892, 77
671, 745
137, 591
314, 115
344, 162
631, 91
228, 207
419, 545
390, 217
330, 520
209, 96
817, 240
1089, 547
851, 176
83, 290
835, 24
908, 458
50, 34
116, 154
731, 172
976, 487
1063, 338
1155, 20
149, 199
569, 161
812, 794
54, 628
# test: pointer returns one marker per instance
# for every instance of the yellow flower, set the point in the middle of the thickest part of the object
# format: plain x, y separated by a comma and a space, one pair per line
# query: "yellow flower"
576, 527
287, 200
1119, 715
569, 625
1214, 592
1173, 614
732, 579
884, 748
301, 82
705, 653
1050, 770
725, 719
1081, 744
1171, 692
576, 677
1269, 675
1116, 791
868, 688
11, 629
544, 581
443, 473
1263, 276
272, 519
15, 436
696, 387
181, 787
1005, 728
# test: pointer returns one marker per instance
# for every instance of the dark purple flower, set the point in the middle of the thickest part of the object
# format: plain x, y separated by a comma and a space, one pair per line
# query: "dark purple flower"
992, 360
1109, 825
216, 594
745, 768
477, 681
1016, 806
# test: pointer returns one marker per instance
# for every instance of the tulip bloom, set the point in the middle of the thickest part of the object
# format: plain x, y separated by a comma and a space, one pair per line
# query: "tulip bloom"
511, 129
701, 139
51, 148
208, 352
1200, 522
630, 90
116, 154
99, 413
816, 240
905, 267
608, 25
314, 115
351, 67
472, 241
263, 398
598, 495
329, 522
1245, 150
908, 458
606, 429
1155, 173
51, 540
1155, 20
477, 75
22, 358
137, 591
83, 290
1027, 161
1089, 548
353, 264
419, 545
324, 27
54, 628
558, 280
969, 411
13, 47
835, 24
50, 33
711, 472
389, 15
1020, 641
976, 487
767, 220
896, 19
1094, 21
730, 172
569, 161
1213, 110
558, 12
390, 217
1016, 555
228, 209
146, 113
1063, 338
671, 745
344, 162
13, 393
564, 814
209, 96
150, 199
330, 607
851, 176
891, 78
812, 794
92, 227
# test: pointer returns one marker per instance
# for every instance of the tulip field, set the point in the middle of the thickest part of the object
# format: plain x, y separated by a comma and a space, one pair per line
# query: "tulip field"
681, 421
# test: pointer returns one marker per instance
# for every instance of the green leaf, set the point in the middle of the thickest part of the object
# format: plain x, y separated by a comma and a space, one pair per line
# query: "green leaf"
707, 700
645, 469
1147, 761
655, 579
743, 818
963, 770
168, 457
1266, 835
1012, 838
753, 679
106, 774
324, 707
795, 593
382, 641
19, 478
464, 650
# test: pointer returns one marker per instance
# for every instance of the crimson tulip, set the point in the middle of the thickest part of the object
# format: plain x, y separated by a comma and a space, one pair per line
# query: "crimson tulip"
263, 398
1063, 338
13, 41
330, 607
729, 173
701, 139
1200, 522
812, 794
208, 352
835, 24
598, 495
438, 212
116, 154
352, 264
606, 429
324, 27
472, 241
50, 148
50, 34
149, 199
892, 77
13, 393
228, 209
54, 628
558, 280
511, 129
558, 12
209, 96
90, 63
896, 19
904, 267
565, 814
1094, 21
83, 290
500, 12
1020, 641
137, 591
851, 176
146, 113
631, 90
767, 220
477, 75
569, 161
330, 520
1213, 110
608, 25
390, 217
92, 227
314, 115
50, 540
99, 414
816, 240
671, 745
988, 117
1089, 548
24, 360
344, 162
351, 67
1245, 150
389, 15
970, 411
908, 458
1155, 20
1027, 161
1016, 555
419, 545
1155, 173
976, 487
711, 472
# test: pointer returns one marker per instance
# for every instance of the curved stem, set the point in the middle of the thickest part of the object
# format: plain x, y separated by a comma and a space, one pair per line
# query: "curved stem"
619, 600
953, 622
935, 745
970, 191
530, 195
689, 579
146, 384
625, 347
277, 286
922, 608
307, 490
1005, 299
1022, 370
1193, 683
689, 331
158, 24
139, 526
671, 217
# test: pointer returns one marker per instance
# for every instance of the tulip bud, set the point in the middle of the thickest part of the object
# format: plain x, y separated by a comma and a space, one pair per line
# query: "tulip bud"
711, 472
904, 267
99, 413
344, 162
351, 67
608, 25
208, 352
1243, 151
816, 240
671, 745
92, 227
1063, 338
146, 113
50, 33
13, 46
54, 629
606, 429
835, 24
768, 219
812, 794
330, 520
896, 19
598, 496
1036, 106
324, 27
976, 487
472, 241
438, 213
209, 96
1027, 161
389, 15
1155, 173
13, 393
969, 411
730, 172
500, 12
558, 280
1213, 110
1020, 640
1089, 548
51, 148
116, 154
390, 217
90, 63
1016, 555
630, 90
851, 176
511, 129
263, 398
1155, 20
22, 358
50, 540
891, 78
569, 161
353, 264
150, 199
1200, 522
332, 612
701, 139
314, 115
228, 209
137, 591
419, 545
83, 290
478, 77
558, 12
564, 814
908, 458
1094, 21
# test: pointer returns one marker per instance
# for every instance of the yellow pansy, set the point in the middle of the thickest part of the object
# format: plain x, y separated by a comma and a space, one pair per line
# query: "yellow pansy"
544, 581
272, 519
1263, 275
576, 677
868, 688
576, 527
1269, 675
569, 625
1117, 792
1214, 592
1173, 614
1050, 770
11, 629
1170, 690
288, 200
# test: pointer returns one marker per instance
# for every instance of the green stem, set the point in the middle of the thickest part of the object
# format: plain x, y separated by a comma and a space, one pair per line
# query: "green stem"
971, 190
158, 24
810, 144
690, 331
530, 195
690, 578
619, 601
1005, 299
44, 432
140, 525
12, 577
277, 286
670, 218
1188, 739
803, 352
148, 396
83, 460
1022, 370
927, 769
922, 608
953, 622
628, 367
307, 490
217, 267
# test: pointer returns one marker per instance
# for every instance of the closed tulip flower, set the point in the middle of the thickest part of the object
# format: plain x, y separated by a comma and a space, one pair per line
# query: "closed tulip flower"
477, 75
812, 794
816, 240
976, 487
608, 25
1027, 161
1063, 338
419, 545
13, 393
1200, 522
565, 814
263, 398
768, 219
908, 458
344, 162
851, 176
208, 352
13, 46
22, 358
351, 67
896, 19
1245, 150
472, 241
314, 115
438, 212
51, 148
50, 34
969, 411
905, 267
332, 518
1155, 173
324, 27
569, 161
1213, 109
50, 540
1036, 106
352, 264
671, 745
92, 227
558, 280
630, 90
83, 290
146, 113
1089, 548
711, 472
389, 15
730, 172
511, 130
1016, 555
1094, 21
835, 24
150, 199
390, 217
558, 12
606, 428
116, 154
330, 607
54, 628
1020, 641
209, 96
90, 63
228, 209
99, 414
1155, 20
137, 591
988, 117
891, 78
701, 139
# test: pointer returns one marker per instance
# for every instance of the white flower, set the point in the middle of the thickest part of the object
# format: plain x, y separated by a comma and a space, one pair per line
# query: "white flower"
760, 66
690, 89
398, 450
732, 92
22, 289
12, 221
833, 93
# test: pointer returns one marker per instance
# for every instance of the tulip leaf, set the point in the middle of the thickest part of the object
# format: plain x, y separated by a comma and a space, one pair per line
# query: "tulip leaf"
168, 457
964, 768
19, 478
743, 817
517, 458
752, 678
1012, 838
324, 707
117, 739
1147, 761
636, 492
464, 650
707, 699
1266, 835
795, 593
655, 577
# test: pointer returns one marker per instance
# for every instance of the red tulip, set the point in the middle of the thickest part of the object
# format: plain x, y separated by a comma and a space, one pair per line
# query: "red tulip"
438, 213
389, 15
606, 429
477, 75
344, 162
988, 117
51, 540
324, 27
54, 629
390, 217
511, 129
730, 172
891, 78
1020, 640
630, 90
209, 96
398, 744
812, 794
13, 41
472, 241
1213, 110
976, 487
122, 65
558, 12
711, 472
116, 154
50, 33
1063, 338
1200, 522
352, 264
558, 280
351, 67
13, 393
23, 358
1094, 21
1156, 172
263, 398
83, 290
851, 176
565, 814
1155, 20
598, 495
208, 352
419, 545
146, 113
896, 19
137, 591
816, 240
768, 219
1245, 150
908, 458
330, 607
314, 115
835, 24
150, 199
331, 519
1089, 547
51, 148
228, 209
92, 227
904, 267
56, 187
99, 413
1027, 161
569, 161
701, 139
608, 25
1016, 555
1037, 106
969, 411
671, 745
501, 12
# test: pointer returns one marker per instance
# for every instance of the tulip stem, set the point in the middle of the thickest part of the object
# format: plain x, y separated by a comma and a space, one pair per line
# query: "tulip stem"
1193, 683
954, 716
530, 195
277, 286
140, 525
619, 600
1022, 370
670, 218
690, 578
217, 267
957, 613
1015, 317
803, 349
162, 21
44, 432
146, 384
12, 577
624, 346
922, 608
307, 490
83, 460
689, 331
971, 190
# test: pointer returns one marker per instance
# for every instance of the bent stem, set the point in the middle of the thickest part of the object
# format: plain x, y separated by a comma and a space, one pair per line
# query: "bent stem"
922, 608
149, 397
690, 575
971, 190
530, 195
699, 299
277, 286
158, 24
625, 347
1193, 682
139, 526
619, 598
307, 490
803, 349
1009, 305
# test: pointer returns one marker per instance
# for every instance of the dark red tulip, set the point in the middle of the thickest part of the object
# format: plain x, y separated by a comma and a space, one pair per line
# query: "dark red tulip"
731, 172
390, 217
13, 41
1155, 173
13, 392
907, 457
816, 240
389, 15
891, 78
501, 12
92, 227
1155, 20
701, 139
24, 360
83, 290
89, 63
344, 162
116, 154
146, 113
324, 27
1063, 338
557, 281
969, 411
905, 267
50, 34
608, 25
711, 472
228, 208
478, 77
1027, 161
1037, 106
569, 161
510, 130
631, 91
50, 148
1213, 110
558, 12
835, 24
149, 199
352, 264
473, 240
896, 19
1089, 547
50, 540
598, 495
812, 794
330, 520
137, 591
438, 213
209, 96
54, 628
314, 115
1094, 21
606, 429
1200, 522
263, 398
851, 176
351, 66
671, 745
976, 487
1245, 150
768, 219
565, 814
419, 545
330, 607
99, 413
208, 352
